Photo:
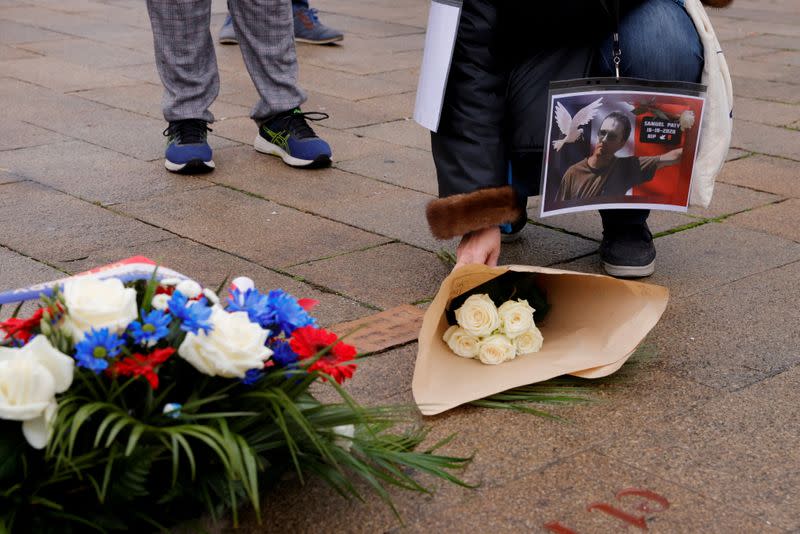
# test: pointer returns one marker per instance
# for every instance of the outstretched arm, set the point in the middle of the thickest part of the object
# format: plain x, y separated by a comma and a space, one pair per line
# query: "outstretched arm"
673, 157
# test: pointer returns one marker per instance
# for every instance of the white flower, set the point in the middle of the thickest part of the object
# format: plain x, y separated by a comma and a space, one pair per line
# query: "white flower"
686, 119
461, 342
343, 436
93, 303
30, 377
478, 315
170, 281
211, 296
516, 317
529, 341
242, 283
160, 301
233, 346
190, 288
496, 349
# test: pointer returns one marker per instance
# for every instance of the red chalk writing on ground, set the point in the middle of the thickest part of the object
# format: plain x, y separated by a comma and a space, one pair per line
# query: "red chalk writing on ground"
652, 503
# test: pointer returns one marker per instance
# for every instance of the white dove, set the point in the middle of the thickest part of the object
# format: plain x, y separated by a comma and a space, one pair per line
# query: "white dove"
571, 126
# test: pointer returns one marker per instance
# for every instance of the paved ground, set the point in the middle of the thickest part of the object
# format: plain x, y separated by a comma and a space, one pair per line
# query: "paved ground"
706, 416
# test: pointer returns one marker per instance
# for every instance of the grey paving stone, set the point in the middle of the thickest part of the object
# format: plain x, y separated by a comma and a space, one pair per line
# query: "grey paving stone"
345, 114
359, 25
59, 75
385, 276
773, 72
403, 132
589, 225
708, 256
771, 113
145, 99
542, 246
777, 42
768, 140
87, 53
562, 492
735, 153
729, 199
249, 227
212, 267
735, 335
12, 32
145, 72
780, 57
765, 90
6, 177
344, 85
11, 52
20, 271
773, 175
54, 227
363, 63
739, 449
407, 167
18, 134
781, 219
104, 176
405, 79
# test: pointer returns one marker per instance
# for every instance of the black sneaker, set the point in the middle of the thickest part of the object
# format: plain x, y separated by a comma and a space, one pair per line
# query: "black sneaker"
187, 148
289, 137
627, 250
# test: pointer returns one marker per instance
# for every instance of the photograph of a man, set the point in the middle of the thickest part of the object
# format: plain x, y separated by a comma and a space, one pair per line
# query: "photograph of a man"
602, 173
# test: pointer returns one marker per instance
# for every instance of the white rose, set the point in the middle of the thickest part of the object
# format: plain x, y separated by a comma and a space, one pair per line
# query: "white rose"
234, 346
190, 288
496, 349
211, 296
170, 281
461, 342
686, 119
93, 303
30, 377
478, 315
529, 341
160, 302
516, 317
343, 436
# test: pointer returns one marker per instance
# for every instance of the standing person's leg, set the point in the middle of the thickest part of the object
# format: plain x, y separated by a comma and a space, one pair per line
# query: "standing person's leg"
187, 65
264, 30
658, 42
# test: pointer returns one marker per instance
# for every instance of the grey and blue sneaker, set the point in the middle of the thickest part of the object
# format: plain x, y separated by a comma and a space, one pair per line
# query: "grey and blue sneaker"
188, 151
288, 136
308, 28
227, 35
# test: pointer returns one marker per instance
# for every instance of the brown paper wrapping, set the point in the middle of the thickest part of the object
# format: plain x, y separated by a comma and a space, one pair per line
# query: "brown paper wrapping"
594, 324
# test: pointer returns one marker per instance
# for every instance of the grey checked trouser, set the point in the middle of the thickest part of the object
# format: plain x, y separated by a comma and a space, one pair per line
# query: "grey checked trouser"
187, 63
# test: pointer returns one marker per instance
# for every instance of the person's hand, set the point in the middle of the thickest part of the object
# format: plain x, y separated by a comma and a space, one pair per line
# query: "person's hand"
481, 246
670, 158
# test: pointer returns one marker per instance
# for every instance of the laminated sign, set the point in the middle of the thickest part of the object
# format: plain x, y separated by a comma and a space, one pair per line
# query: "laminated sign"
620, 143
592, 326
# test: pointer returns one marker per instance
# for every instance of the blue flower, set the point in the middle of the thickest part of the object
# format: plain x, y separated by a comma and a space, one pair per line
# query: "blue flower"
252, 376
97, 345
255, 303
282, 354
193, 318
153, 327
289, 315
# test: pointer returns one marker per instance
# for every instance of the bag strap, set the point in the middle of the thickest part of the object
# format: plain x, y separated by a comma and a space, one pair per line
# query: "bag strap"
612, 7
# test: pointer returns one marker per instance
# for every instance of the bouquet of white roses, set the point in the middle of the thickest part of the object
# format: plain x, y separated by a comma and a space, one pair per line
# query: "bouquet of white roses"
493, 334
136, 402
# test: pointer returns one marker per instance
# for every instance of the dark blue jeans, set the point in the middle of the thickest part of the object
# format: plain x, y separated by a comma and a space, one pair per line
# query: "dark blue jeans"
658, 42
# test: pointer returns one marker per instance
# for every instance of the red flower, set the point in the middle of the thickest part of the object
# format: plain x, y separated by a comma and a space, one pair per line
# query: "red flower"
307, 304
22, 329
307, 342
141, 365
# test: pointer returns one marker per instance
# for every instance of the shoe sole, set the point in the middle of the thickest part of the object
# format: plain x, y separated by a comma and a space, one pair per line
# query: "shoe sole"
196, 166
320, 41
265, 147
228, 40
630, 271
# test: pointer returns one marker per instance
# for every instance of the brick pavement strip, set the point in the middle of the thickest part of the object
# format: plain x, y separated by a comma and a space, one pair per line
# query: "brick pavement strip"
702, 416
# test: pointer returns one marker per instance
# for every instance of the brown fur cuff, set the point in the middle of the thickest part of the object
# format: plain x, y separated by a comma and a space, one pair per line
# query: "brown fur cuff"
457, 215
716, 3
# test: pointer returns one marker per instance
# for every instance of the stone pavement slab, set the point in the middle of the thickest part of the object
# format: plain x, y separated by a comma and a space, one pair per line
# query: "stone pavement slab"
781, 219
729, 199
384, 276
403, 132
59, 75
255, 229
763, 173
771, 113
766, 139
766, 90
19, 134
20, 271
407, 167
105, 176
88, 53
738, 449
53, 227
